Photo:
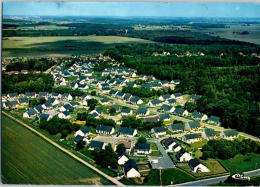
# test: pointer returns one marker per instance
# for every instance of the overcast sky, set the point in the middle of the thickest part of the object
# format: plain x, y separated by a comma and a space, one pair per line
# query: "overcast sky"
246, 10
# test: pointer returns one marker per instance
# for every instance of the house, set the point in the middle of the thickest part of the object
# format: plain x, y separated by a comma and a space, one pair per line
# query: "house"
176, 148
167, 108
151, 119
178, 96
38, 109
78, 138
142, 148
12, 95
104, 101
154, 103
82, 132
65, 107
176, 81
83, 86
164, 117
136, 100
73, 103
194, 97
53, 101
67, 96
214, 119
169, 143
199, 116
128, 145
191, 138
112, 92
165, 97
183, 156
120, 95
105, 90
64, 115
229, 134
125, 131
44, 116
197, 167
29, 114
96, 145
171, 101
158, 131
10, 104
43, 94
142, 111
192, 125
126, 111
131, 170
103, 129
56, 95
177, 127
23, 101
208, 134
30, 94
122, 158
180, 112
127, 96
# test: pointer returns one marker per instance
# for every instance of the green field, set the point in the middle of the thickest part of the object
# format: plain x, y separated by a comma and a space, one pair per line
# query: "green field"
28, 159
242, 163
176, 176
62, 45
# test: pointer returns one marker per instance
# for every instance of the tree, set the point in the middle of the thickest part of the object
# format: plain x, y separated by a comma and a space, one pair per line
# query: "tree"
112, 111
93, 93
120, 147
142, 140
80, 145
92, 104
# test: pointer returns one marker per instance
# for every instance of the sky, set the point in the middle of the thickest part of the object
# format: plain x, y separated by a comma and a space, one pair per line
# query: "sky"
124, 9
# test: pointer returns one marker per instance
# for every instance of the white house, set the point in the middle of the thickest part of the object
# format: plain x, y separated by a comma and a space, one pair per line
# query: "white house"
122, 158
29, 114
131, 170
103, 129
197, 167
142, 148
183, 156
64, 115
159, 131
82, 132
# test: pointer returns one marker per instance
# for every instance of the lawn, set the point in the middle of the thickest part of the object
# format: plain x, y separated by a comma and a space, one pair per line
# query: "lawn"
62, 45
175, 176
28, 159
153, 178
213, 165
242, 163
199, 144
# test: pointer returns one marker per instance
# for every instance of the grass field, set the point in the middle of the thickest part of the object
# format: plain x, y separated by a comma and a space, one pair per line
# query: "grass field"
174, 175
242, 163
27, 159
62, 45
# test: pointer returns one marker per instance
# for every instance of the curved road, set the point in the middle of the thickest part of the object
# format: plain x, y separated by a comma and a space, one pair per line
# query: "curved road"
205, 182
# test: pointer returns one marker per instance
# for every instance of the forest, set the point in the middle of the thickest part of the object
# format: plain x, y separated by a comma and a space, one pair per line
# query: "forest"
227, 77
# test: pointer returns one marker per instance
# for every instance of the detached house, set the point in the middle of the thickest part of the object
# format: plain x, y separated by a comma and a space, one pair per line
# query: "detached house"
82, 132
67, 96
154, 103
142, 148
208, 134
199, 116
126, 112
65, 107
180, 112
229, 134
103, 129
29, 114
177, 127
192, 125
96, 145
197, 167
178, 95
167, 108
169, 143
214, 119
122, 158
142, 111
45, 117
23, 101
183, 156
158, 131
64, 115
125, 131
165, 97
131, 170
136, 100
191, 138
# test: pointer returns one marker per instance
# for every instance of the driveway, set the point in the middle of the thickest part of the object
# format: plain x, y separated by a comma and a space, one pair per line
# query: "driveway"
164, 162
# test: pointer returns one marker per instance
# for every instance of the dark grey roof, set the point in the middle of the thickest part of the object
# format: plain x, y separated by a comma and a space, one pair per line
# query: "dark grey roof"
50, 100
39, 108
121, 153
13, 94
78, 138
166, 96
126, 131
166, 107
73, 103
172, 101
112, 92
23, 100
96, 144
126, 110
180, 153
99, 110
127, 96
196, 115
194, 97
94, 115
156, 102
193, 163
43, 116
214, 119
194, 124
104, 128
43, 94
178, 111
141, 110
164, 116
85, 130
67, 106
66, 113
129, 165
191, 136
176, 127
167, 142
177, 95
11, 103
142, 146
230, 133
151, 119
119, 94
209, 132
159, 129
134, 99
31, 112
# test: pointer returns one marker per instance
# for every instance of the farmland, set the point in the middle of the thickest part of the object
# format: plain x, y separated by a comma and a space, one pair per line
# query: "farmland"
27, 159
62, 45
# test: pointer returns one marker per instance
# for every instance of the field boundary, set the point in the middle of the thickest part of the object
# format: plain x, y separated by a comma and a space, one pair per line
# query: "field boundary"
114, 181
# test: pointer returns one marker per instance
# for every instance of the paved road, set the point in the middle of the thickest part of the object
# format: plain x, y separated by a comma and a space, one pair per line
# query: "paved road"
164, 162
205, 182
116, 182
